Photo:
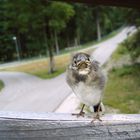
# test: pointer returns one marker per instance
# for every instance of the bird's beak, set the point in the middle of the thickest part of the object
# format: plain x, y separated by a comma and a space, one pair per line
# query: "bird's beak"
82, 64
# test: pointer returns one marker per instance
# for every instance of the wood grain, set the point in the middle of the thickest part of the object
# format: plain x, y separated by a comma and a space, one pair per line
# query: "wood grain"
52, 126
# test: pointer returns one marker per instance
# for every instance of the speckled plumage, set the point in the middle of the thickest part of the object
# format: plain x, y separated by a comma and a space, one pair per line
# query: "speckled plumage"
88, 86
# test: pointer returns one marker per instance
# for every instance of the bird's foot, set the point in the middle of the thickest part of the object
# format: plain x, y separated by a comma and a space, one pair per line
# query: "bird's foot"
81, 113
97, 117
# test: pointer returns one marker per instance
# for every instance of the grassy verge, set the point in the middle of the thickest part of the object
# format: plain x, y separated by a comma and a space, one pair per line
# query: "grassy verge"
1, 85
123, 89
120, 52
40, 67
45, 75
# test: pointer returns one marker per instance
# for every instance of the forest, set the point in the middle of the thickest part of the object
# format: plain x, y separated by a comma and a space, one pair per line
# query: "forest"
38, 38
40, 28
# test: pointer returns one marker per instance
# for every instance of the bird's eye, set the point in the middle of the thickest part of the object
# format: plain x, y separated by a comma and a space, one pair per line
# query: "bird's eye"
74, 61
88, 59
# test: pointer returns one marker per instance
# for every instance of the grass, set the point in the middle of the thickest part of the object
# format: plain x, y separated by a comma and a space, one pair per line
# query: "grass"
123, 89
40, 67
121, 51
1, 85
130, 46
45, 75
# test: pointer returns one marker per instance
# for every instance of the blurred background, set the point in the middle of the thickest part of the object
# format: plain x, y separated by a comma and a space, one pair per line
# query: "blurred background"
37, 39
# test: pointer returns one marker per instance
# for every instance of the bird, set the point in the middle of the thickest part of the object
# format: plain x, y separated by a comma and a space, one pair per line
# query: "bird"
87, 81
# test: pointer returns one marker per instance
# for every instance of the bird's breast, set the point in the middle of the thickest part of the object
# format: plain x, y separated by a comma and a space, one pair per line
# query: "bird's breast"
87, 94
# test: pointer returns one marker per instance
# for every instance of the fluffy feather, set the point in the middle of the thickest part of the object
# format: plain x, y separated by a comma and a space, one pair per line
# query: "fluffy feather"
87, 83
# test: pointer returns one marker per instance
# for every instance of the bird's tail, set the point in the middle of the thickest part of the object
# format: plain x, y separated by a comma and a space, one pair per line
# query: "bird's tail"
99, 107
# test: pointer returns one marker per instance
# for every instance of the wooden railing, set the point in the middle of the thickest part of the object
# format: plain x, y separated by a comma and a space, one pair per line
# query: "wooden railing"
52, 126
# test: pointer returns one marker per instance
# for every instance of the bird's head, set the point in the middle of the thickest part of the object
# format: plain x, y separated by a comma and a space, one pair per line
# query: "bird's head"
81, 63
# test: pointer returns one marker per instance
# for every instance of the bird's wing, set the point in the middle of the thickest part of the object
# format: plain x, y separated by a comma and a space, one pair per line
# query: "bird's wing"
98, 74
95, 65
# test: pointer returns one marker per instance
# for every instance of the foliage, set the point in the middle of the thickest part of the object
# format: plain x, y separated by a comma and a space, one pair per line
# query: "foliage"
34, 23
59, 14
121, 50
123, 89
132, 44
133, 17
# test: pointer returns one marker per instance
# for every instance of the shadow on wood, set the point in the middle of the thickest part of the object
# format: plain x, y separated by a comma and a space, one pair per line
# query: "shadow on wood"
52, 126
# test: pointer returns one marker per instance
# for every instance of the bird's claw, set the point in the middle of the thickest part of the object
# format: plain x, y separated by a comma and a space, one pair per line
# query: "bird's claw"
97, 117
79, 114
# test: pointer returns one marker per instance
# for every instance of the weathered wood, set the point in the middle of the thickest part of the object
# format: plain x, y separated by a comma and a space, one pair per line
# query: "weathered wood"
52, 126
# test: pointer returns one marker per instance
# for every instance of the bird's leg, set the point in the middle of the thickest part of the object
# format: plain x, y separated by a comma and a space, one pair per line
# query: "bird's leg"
81, 113
97, 117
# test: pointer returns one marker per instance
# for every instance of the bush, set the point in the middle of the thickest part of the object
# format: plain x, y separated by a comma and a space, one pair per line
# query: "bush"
123, 89
133, 45
127, 70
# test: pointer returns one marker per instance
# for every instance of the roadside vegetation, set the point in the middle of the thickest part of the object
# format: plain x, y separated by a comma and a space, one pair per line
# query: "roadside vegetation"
1, 85
40, 67
56, 28
123, 87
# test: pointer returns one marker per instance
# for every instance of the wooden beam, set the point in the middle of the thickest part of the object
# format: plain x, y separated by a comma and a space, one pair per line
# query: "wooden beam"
52, 126
118, 3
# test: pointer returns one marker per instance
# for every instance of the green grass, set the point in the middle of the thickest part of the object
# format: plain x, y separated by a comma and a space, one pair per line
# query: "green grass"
123, 89
45, 75
40, 67
121, 50
1, 85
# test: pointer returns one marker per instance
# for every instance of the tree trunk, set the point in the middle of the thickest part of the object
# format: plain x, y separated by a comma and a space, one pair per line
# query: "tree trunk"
56, 42
23, 45
78, 36
98, 25
68, 42
76, 42
50, 50
51, 62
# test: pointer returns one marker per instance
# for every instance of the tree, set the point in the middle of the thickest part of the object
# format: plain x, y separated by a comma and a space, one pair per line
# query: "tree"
133, 42
133, 17
59, 14
41, 26
97, 11
21, 22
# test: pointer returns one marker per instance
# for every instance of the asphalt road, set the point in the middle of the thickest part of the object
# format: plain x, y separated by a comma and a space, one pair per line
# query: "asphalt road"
24, 92
101, 54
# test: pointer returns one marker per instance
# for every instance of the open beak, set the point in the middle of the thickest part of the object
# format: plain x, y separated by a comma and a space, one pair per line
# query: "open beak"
82, 65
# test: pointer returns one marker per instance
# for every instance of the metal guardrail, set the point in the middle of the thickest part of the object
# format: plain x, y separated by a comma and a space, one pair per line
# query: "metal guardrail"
53, 126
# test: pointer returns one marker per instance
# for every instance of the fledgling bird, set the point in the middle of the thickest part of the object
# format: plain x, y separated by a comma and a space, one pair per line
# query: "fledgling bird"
87, 81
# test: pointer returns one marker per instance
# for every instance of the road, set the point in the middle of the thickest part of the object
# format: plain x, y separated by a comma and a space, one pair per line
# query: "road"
102, 55
24, 92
